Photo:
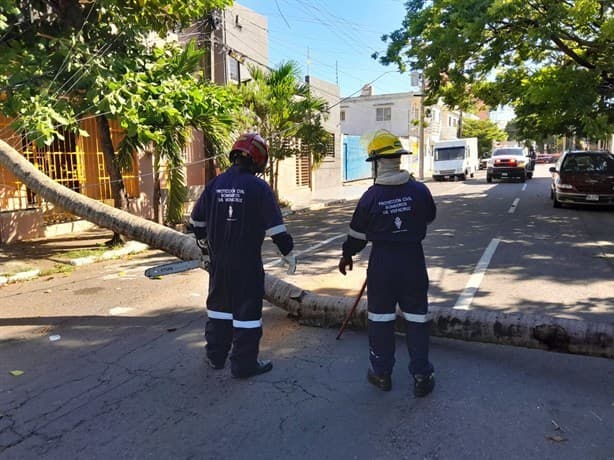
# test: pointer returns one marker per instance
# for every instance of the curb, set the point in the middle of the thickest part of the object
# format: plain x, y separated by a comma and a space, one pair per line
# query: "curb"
19, 276
313, 207
131, 247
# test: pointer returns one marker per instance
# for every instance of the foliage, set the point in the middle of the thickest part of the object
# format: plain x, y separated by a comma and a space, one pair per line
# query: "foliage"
487, 133
283, 110
551, 60
160, 103
61, 61
51, 53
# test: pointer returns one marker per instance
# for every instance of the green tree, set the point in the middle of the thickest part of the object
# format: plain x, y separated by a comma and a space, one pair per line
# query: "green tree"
284, 111
487, 133
159, 105
57, 57
552, 61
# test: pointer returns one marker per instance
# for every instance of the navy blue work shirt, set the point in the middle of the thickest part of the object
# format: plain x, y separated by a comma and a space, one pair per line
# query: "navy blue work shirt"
235, 212
397, 214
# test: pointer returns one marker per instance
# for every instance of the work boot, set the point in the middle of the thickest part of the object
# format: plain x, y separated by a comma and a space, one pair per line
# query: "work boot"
383, 382
214, 364
423, 384
261, 368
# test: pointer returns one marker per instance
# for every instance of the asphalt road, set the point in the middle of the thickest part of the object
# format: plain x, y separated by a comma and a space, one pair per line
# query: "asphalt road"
125, 379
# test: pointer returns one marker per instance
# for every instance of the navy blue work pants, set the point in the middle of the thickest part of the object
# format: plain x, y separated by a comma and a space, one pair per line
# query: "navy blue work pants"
397, 276
234, 310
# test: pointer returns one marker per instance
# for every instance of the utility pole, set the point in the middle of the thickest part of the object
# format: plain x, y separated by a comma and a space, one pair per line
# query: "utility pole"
421, 135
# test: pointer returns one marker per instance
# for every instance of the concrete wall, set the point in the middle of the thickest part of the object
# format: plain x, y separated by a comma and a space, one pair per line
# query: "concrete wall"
242, 37
328, 174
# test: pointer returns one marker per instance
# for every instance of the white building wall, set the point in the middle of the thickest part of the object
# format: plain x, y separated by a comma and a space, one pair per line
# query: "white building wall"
360, 114
441, 123
360, 119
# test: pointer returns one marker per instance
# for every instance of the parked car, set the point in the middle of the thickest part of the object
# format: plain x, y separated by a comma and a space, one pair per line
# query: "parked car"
509, 163
543, 158
583, 177
484, 162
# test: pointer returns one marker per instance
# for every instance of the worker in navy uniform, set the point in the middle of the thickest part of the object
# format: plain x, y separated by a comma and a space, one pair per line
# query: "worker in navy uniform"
230, 220
393, 215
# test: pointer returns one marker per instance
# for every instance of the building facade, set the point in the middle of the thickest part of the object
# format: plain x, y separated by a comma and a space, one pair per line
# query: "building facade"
399, 113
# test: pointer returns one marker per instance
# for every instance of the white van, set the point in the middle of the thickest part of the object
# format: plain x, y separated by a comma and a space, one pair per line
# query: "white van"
455, 158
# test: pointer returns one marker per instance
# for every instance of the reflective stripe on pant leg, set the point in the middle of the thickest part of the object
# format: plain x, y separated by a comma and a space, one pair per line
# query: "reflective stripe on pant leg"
218, 330
381, 313
248, 290
381, 342
414, 305
218, 336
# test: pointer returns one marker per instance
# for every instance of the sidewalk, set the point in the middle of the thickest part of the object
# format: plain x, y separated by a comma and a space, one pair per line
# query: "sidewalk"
27, 260
300, 200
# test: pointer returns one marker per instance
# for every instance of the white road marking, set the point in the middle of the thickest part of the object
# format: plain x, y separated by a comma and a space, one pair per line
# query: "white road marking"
524, 187
464, 300
513, 207
277, 262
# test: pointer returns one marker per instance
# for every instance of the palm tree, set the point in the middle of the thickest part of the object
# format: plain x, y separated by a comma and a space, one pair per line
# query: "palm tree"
549, 333
281, 108
161, 104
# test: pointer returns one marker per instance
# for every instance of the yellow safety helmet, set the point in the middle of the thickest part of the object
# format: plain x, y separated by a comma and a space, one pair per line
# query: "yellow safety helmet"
385, 145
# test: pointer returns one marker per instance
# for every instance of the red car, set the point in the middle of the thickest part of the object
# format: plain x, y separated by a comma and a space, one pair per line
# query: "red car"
583, 177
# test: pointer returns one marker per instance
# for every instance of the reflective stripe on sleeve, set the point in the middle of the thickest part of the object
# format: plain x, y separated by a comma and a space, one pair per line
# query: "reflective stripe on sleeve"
381, 317
276, 230
219, 315
198, 223
247, 324
357, 235
412, 317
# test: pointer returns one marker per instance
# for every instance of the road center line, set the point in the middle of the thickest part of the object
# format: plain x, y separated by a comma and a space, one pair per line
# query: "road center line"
464, 300
276, 262
513, 207
524, 187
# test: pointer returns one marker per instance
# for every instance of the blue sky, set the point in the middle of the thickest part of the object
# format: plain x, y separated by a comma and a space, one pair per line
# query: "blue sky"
340, 35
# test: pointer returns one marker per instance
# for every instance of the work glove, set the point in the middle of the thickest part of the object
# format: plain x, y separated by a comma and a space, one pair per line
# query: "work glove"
345, 262
205, 259
290, 260
205, 262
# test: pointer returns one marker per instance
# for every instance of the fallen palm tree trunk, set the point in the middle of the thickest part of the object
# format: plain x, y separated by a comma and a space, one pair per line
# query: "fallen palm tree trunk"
548, 333
516, 329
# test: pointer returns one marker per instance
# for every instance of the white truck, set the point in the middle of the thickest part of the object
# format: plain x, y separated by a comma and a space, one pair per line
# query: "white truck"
457, 158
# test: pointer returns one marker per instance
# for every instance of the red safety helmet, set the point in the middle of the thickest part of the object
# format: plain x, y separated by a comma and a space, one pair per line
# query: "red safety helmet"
253, 146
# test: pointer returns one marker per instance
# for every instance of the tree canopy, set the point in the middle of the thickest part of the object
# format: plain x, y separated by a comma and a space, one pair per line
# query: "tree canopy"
487, 133
61, 61
55, 56
551, 60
